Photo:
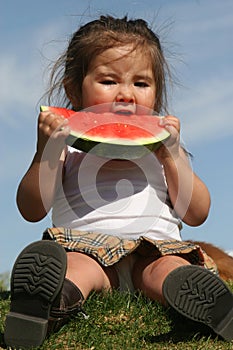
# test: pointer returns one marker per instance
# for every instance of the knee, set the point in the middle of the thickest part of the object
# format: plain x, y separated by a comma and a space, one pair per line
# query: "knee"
168, 263
160, 269
154, 273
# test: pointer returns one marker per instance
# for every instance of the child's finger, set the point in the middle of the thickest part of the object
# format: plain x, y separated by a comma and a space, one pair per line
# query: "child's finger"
57, 124
170, 121
50, 123
51, 119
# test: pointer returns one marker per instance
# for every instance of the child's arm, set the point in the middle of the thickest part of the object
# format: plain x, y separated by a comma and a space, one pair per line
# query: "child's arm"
36, 190
189, 195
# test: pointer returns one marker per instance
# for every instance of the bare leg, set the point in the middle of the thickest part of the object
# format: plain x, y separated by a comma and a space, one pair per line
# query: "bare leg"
88, 275
149, 274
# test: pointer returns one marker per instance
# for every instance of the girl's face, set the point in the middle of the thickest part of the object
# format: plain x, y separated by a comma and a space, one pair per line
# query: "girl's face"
122, 78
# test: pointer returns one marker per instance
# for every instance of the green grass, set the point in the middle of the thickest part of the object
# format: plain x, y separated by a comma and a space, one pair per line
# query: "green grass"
120, 321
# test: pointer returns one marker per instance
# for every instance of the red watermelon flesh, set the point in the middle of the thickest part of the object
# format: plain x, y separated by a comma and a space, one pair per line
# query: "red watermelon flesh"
128, 132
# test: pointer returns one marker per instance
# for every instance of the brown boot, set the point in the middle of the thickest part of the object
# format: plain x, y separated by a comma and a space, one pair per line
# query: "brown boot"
67, 305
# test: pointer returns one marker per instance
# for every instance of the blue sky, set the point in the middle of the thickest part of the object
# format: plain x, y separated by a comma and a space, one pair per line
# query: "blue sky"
197, 39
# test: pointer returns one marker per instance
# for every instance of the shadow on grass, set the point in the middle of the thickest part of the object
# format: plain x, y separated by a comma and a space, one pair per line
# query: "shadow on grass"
183, 330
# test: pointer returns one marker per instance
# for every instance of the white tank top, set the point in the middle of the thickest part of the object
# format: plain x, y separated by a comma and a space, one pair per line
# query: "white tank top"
125, 198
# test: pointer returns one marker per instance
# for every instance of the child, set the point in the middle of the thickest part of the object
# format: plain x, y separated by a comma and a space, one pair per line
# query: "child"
123, 231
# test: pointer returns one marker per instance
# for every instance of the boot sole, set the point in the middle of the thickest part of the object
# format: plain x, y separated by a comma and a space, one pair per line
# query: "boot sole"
201, 296
37, 278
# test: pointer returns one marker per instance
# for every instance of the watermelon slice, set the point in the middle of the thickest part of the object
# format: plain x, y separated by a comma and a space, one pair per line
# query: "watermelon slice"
112, 135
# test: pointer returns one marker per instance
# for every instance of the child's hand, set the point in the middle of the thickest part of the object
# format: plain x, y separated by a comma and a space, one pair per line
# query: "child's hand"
171, 147
51, 128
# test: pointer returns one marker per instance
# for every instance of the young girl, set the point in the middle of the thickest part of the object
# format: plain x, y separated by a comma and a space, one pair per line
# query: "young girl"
118, 220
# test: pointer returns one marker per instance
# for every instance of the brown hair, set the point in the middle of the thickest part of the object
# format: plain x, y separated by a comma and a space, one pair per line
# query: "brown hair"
94, 38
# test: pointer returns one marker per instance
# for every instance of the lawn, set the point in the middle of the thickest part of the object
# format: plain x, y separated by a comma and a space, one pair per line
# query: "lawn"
120, 321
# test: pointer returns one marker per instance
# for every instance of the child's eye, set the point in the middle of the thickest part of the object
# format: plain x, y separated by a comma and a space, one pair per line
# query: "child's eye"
108, 82
141, 84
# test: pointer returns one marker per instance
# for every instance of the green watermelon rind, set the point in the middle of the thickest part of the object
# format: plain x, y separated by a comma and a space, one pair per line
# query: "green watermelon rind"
112, 151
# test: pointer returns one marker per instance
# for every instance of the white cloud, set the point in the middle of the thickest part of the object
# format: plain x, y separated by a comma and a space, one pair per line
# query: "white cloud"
21, 88
22, 77
206, 110
22, 73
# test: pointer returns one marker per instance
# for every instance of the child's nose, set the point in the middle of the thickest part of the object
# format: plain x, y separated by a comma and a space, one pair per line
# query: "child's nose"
125, 94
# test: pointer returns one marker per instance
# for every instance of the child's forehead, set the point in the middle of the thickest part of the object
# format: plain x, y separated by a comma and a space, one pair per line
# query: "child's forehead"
122, 53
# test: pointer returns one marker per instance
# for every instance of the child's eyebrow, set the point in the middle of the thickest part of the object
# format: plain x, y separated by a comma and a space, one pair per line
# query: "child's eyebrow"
103, 70
144, 77
102, 74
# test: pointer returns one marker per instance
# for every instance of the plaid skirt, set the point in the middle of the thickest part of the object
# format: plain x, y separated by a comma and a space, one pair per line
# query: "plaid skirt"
108, 249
